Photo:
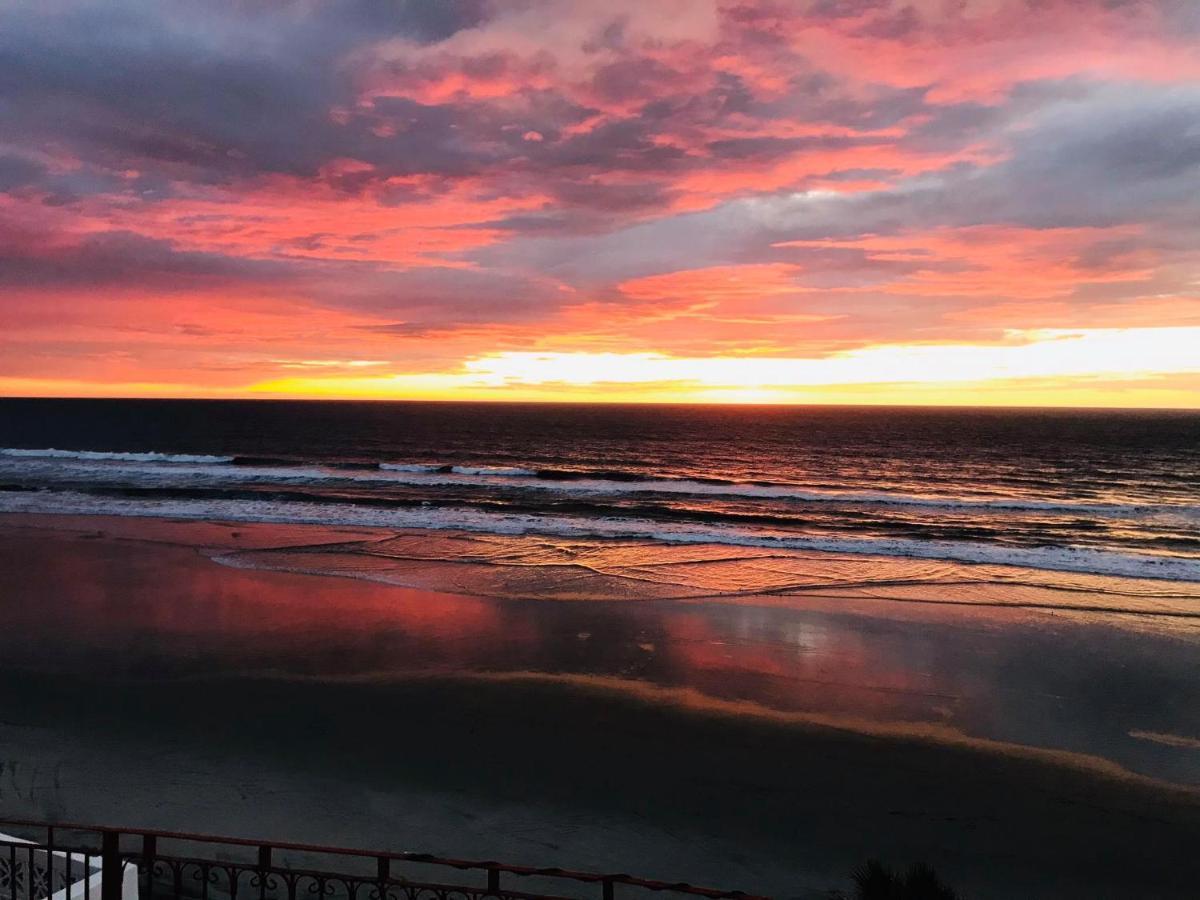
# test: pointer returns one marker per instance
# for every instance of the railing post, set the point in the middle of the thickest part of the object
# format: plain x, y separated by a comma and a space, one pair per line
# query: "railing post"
383, 871
149, 851
264, 863
110, 866
608, 889
493, 881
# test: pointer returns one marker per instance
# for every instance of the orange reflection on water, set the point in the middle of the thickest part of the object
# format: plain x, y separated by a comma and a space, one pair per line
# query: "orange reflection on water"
166, 610
140, 602
122, 605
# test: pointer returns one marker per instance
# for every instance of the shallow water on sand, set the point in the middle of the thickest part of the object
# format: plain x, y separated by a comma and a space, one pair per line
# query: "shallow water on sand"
1097, 666
747, 718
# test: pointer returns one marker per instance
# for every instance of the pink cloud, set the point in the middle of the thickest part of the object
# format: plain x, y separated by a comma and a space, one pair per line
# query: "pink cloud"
740, 177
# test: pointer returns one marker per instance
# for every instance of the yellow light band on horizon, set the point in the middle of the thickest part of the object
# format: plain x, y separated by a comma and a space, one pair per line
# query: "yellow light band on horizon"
1033, 354
1043, 354
1093, 367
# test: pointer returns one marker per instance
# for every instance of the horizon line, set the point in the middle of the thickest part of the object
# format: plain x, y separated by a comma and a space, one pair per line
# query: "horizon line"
602, 402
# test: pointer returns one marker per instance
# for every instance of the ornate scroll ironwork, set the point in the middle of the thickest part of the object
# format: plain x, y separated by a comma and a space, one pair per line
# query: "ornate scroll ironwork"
186, 878
32, 871
237, 869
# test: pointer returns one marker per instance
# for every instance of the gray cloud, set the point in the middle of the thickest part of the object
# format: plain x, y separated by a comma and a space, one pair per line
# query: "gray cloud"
1110, 158
192, 98
213, 95
124, 258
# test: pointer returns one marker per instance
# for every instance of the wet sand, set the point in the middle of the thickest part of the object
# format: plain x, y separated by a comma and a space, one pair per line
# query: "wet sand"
765, 741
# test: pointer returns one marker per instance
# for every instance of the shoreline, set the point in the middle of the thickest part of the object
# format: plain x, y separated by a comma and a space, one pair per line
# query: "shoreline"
767, 743
248, 544
1068, 559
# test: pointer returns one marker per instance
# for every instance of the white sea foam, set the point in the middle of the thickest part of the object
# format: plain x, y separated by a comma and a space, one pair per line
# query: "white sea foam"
146, 470
1063, 559
496, 471
104, 455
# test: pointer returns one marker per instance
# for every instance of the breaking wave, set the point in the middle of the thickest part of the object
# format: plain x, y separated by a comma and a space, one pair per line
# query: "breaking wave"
114, 456
1060, 558
166, 469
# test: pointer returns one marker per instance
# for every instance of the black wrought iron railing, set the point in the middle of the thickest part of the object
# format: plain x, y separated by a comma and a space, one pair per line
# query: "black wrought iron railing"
42, 861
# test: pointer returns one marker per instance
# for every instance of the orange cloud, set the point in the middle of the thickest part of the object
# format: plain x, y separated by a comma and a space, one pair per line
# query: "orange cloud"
688, 179
287, 216
979, 50
717, 284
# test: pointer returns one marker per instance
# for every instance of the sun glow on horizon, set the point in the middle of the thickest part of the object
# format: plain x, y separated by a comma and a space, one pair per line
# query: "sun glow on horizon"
1122, 367
887, 373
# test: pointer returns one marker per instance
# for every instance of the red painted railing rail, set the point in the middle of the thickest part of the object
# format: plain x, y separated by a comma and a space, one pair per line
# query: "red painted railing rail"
162, 875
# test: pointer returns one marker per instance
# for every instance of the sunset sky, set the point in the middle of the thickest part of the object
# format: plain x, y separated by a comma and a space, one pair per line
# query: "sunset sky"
867, 201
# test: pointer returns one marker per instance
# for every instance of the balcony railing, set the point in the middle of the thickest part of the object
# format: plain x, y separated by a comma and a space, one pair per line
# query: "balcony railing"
41, 861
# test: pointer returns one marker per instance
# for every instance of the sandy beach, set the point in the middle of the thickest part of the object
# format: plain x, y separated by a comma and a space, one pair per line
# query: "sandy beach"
760, 741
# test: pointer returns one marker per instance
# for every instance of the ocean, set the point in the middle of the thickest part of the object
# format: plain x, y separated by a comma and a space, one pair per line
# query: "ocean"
749, 646
1101, 492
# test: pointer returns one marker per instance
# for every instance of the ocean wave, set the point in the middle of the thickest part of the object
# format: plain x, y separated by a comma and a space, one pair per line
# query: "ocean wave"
494, 471
1061, 558
114, 456
577, 507
170, 469
146, 469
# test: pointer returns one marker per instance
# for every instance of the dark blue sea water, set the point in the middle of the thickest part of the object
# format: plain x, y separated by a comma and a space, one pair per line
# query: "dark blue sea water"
1112, 492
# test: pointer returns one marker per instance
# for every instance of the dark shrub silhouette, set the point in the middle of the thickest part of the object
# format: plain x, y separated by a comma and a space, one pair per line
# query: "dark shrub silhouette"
875, 881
